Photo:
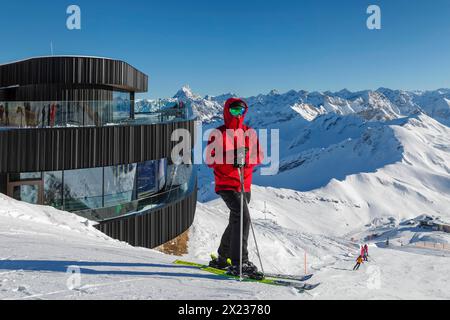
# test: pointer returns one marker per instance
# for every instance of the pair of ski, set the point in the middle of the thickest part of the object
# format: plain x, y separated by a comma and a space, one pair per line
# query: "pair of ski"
296, 282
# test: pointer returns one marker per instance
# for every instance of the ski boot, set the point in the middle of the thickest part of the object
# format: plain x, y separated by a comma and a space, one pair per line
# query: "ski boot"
249, 270
219, 262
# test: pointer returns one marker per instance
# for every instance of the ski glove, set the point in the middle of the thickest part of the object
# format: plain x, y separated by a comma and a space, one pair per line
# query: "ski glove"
240, 157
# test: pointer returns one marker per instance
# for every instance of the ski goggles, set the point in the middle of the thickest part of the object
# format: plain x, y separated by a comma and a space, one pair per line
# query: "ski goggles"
237, 111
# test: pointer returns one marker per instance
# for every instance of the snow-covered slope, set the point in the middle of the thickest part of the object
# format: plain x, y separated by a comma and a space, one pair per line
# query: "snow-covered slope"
47, 217
290, 224
40, 247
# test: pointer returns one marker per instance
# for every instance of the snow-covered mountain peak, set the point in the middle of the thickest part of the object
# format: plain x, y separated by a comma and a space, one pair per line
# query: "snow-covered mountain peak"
185, 93
274, 92
270, 109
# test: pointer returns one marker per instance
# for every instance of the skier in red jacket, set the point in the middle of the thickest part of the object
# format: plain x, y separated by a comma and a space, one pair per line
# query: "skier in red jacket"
362, 251
366, 252
224, 145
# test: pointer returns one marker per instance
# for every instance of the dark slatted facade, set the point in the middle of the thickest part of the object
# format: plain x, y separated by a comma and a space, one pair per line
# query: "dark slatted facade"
153, 228
53, 149
70, 72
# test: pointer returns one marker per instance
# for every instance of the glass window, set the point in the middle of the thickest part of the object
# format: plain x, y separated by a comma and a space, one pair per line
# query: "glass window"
83, 189
120, 183
40, 113
162, 173
53, 189
121, 106
147, 183
95, 113
45, 114
74, 113
2, 114
16, 112
179, 174
26, 193
58, 114
31, 113
117, 188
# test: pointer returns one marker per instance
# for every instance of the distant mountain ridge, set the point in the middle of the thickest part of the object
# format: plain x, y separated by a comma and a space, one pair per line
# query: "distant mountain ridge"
382, 104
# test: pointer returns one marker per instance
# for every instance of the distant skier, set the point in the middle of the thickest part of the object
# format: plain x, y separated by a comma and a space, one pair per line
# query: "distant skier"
366, 252
359, 261
228, 184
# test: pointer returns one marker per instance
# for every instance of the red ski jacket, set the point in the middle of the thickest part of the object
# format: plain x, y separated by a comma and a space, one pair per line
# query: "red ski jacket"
232, 135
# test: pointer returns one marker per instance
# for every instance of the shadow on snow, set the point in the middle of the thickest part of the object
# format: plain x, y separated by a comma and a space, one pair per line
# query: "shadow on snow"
62, 266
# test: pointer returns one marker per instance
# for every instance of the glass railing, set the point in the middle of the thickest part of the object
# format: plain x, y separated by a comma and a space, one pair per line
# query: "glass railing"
152, 202
49, 114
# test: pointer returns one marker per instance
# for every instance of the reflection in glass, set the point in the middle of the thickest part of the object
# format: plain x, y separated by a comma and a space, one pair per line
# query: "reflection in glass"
110, 192
180, 181
26, 193
162, 173
119, 184
45, 114
179, 174
83, 189
53, 189
147, 179
121, 106
2, 114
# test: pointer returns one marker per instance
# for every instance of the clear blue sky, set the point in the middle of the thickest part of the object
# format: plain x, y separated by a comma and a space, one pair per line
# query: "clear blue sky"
247, 47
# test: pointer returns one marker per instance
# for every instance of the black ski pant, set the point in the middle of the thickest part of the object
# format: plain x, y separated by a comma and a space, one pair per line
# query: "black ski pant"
229, 245
356, 267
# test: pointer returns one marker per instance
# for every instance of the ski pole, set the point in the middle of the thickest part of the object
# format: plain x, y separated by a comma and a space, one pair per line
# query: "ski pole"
256, 243
251, 222
242, 224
